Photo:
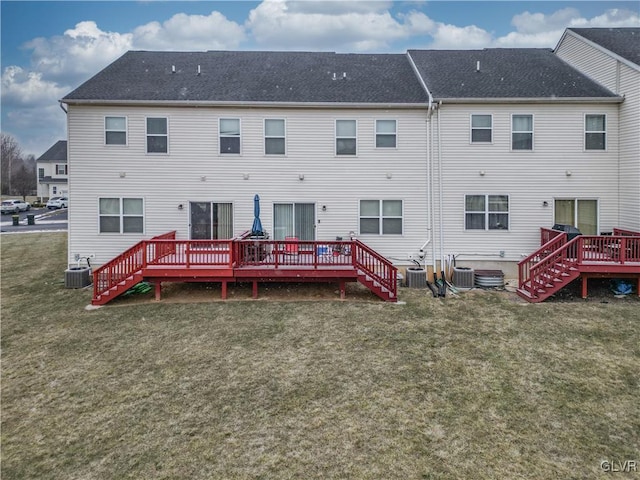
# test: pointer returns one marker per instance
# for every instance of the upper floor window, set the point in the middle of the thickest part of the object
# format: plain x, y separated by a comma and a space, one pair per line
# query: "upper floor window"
115, 130
229, 135
386, 134
274, 137
481, 128
381, 217
346, 137
41, 173
61, 169
121, 215
157, 135
595, 132
522, 132
486, 212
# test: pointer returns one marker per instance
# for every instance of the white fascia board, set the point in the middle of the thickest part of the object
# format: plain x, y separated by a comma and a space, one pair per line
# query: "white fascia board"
183, 103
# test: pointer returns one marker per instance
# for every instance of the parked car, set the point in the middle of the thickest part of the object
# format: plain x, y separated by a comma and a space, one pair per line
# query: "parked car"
14, 206
57, 202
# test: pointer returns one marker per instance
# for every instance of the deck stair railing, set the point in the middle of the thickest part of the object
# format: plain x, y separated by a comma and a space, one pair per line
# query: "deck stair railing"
558, 262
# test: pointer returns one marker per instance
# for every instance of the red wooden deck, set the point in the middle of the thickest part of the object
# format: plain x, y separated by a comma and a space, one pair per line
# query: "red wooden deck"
558, 262
165, 259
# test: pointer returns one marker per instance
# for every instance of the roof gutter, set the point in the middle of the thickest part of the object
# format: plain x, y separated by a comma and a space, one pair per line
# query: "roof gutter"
539, 100
249, 104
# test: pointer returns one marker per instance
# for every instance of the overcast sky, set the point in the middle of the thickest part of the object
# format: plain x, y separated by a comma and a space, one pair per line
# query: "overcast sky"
49, 48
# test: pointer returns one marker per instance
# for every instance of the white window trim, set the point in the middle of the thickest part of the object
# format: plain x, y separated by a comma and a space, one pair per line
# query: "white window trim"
471, 128
336, 137
584, 135
146, 136
264, 131
375, 134
121, 215
380, 217
486, 213
220, 136
126, 131
533, 132
66, 171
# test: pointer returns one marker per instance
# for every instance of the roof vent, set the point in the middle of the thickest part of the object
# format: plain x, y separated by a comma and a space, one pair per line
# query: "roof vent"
173, 69
344, 75
334, 75
478, 66
198, 69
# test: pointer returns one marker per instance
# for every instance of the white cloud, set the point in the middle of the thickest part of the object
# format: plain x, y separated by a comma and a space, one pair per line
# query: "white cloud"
453, 37
190, 32
344, 26
27, 89
80, 52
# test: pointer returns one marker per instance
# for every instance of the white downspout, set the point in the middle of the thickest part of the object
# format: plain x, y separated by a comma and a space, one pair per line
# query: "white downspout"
440, 193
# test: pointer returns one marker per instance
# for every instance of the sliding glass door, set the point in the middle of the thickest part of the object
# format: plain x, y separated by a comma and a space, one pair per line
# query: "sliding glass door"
580, 213
211, 221
294, 220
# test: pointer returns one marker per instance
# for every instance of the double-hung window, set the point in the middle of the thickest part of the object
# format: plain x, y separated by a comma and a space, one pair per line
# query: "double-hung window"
115, 130
157, 135
274, 136
229, 136
61, 169
121, 215
381, 217
486, 212
481, 129
595, 132
346, 139
522, 132
386, 132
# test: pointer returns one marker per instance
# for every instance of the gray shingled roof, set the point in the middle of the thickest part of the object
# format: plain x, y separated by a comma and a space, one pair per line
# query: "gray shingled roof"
621, 41
254, 77
56, 153
504, 73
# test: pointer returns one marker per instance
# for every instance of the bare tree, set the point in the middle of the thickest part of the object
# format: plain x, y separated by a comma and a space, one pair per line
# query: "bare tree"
24, 180
11, 155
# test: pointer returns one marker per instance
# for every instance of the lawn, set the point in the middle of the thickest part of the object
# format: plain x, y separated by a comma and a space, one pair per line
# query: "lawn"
478, 386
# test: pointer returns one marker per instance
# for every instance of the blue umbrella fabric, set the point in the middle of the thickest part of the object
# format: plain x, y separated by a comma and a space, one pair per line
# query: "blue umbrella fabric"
256, 230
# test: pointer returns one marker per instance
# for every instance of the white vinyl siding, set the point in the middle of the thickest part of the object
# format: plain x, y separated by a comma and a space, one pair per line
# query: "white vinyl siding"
177, 179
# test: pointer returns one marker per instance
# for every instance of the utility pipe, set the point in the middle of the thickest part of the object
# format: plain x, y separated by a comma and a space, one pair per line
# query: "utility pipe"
440, 208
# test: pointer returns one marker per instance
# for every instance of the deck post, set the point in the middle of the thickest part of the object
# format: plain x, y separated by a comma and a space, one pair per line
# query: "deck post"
584, 285
224, 290
158, 285
254, 294
342, 290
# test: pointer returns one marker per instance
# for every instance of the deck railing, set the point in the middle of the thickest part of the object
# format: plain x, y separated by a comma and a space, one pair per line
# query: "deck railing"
245, 252
554, 240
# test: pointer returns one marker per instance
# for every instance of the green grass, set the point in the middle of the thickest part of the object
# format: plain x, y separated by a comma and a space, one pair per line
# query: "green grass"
478, 386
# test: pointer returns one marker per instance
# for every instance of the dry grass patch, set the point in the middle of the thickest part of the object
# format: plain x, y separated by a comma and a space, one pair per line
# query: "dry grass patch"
477, 386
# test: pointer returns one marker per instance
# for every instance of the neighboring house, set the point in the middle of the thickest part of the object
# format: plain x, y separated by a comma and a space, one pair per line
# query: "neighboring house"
424, 155
611, 56
53, 175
